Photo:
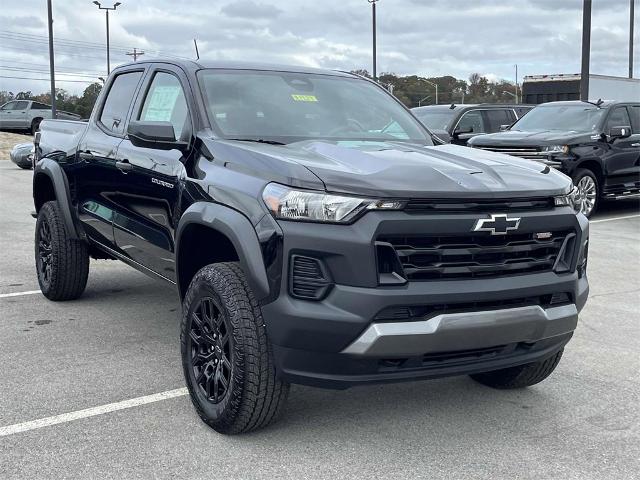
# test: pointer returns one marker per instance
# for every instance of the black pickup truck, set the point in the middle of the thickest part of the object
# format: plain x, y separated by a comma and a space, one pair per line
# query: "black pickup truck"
597, 144
314, 233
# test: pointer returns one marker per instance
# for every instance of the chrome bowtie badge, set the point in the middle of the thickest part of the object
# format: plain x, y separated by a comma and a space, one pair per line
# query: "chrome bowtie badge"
497, 224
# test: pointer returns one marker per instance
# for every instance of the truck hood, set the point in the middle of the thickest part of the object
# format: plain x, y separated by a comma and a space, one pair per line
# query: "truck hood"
399, 170
520, 138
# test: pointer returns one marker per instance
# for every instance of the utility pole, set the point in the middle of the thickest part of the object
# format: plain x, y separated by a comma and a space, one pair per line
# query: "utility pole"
52, 72
516, 82
631, 15
373, 13
107, 10
586, 50
135, 54
433, 85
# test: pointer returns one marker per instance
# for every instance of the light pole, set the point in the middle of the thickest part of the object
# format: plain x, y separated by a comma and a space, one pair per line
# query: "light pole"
516, 65
433, 85
52, 71
586, 50
107, 9
373, 16
631, 14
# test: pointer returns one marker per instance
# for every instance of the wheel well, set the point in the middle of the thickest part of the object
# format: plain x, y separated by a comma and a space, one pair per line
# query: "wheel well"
199, 246
43, 190
37, 119
595, 167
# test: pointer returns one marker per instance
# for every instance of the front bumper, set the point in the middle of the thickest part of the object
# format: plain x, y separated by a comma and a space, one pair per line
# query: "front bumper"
341, 341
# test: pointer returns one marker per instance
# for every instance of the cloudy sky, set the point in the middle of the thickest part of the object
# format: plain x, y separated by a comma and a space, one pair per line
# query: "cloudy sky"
424, 37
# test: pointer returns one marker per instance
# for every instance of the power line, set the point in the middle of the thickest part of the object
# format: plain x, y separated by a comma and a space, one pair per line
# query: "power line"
33, 70
46, 79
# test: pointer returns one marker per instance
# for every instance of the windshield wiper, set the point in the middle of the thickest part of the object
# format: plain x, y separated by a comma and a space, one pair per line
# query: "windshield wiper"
257, 140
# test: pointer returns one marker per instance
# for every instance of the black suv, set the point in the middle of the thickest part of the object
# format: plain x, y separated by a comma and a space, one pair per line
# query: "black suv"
459, 123
597, 144
307, 243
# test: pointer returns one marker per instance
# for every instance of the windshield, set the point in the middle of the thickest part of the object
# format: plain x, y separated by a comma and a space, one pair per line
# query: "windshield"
435, 119
288, 107
566, 118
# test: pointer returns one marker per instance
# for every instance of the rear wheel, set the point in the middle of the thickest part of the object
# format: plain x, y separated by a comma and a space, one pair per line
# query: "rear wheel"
62, 263
588, 190
226, 355
35, 125
521, 376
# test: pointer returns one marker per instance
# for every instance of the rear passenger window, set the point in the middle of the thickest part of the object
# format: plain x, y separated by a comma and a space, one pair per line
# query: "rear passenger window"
634, 111
119, 99
499, 117
165, 102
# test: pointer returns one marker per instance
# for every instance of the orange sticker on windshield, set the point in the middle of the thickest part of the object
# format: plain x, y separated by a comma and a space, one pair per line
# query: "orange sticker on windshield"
304, 98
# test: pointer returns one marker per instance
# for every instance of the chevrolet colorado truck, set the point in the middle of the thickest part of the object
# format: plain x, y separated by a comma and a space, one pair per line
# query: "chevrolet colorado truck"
308, 244
596, 143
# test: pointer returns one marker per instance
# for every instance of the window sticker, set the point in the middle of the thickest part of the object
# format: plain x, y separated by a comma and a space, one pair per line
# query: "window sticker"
304, 98
161, 104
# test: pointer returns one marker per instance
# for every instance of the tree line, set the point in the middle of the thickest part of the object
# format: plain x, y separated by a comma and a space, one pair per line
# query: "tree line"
415, 91
79, 104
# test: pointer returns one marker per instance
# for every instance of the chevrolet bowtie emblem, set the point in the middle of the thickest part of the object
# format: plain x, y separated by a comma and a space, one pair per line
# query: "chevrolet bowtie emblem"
497, 224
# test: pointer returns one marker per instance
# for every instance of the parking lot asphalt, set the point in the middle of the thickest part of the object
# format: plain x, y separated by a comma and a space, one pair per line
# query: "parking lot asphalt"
120, 342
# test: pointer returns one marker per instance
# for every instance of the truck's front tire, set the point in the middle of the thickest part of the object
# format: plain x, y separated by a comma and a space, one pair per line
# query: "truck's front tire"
62, 263
589, 190
226, 355
521, 376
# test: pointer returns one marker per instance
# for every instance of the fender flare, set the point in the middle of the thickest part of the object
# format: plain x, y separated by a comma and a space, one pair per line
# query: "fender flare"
239, 230
54, 172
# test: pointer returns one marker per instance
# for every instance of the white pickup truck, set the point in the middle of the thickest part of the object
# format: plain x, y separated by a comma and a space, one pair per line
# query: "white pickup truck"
27, 115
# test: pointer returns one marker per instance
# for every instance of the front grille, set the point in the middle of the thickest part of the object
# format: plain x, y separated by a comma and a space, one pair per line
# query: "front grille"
422, 206
533, 153
475, 256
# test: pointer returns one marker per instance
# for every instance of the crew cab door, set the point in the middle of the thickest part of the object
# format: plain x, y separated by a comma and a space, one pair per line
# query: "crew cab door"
19, 117
622, 161
469, 125
148, 201
6, 112
97, 177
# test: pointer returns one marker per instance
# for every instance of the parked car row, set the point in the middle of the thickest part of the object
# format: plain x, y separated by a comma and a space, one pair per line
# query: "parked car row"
596, 144
27, 115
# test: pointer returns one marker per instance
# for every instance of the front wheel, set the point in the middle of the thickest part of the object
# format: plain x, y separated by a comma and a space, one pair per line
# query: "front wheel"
588, 191
226, 355
521, 376
62, 263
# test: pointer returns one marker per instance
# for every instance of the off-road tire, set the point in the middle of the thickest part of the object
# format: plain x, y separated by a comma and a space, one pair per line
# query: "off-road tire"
69, 259
521, 376
255, 395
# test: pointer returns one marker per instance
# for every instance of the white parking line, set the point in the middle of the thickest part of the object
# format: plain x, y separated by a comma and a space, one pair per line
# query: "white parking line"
18, 294
614, 218
91, 412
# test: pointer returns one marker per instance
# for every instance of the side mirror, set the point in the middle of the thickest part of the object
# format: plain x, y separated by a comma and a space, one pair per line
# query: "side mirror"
158, 135
461, 131
504, 128
619, 132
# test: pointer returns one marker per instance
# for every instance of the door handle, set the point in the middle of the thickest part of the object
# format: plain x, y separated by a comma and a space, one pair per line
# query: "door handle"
124, 165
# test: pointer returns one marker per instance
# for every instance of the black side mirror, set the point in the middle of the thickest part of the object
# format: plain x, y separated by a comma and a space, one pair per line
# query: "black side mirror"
619, 132
460, 131
158, 135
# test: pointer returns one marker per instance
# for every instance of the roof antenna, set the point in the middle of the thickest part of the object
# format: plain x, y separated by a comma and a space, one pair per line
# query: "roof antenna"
599, 102
453, 105
195, 44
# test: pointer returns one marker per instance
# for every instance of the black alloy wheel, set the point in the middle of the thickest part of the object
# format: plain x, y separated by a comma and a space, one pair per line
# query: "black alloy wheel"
210, 349
44, 258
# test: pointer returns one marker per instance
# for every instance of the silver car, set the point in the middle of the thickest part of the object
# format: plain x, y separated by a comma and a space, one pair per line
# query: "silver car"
27, 115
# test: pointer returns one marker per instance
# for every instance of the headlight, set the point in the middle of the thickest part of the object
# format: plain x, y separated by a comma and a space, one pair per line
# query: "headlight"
571, 199
289, 204
556, 149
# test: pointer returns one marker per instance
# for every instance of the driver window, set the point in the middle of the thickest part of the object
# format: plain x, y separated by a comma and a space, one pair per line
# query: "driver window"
8, 106
165, 102
618, 118
472, 119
